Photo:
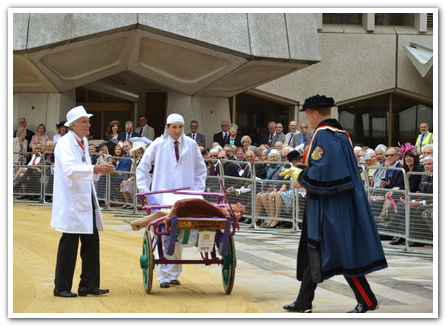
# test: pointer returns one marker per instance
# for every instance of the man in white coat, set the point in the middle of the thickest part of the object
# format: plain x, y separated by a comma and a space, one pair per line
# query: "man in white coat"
76, 210
184, 169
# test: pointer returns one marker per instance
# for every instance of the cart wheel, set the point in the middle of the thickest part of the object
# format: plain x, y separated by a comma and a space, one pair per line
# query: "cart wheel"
229, 267
147, 262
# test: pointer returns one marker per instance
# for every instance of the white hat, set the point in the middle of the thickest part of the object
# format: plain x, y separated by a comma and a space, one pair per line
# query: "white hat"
136, 146
300, 147
76, 113
367, 156
173, 119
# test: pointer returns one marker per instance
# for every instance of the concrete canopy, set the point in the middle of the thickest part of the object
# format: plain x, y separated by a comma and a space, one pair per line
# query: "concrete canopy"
422, 59
217, 55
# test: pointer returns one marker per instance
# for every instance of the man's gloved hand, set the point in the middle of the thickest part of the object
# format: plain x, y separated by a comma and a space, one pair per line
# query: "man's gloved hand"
293, 172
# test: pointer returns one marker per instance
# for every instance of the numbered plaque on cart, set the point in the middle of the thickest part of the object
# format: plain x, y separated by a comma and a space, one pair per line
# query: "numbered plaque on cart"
205, 242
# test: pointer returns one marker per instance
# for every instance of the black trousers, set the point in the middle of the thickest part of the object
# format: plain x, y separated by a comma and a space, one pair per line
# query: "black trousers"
359, 286
66, 259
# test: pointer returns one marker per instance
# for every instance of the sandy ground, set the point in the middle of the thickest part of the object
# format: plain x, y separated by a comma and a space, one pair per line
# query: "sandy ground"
34, 253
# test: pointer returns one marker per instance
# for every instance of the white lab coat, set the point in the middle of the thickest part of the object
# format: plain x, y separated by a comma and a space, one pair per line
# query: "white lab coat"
73, 188
189, 171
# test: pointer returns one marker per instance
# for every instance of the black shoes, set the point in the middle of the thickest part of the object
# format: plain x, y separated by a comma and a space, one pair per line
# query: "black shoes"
361, 308
83, 291
294, 308
399, 241
64, 293
168, 284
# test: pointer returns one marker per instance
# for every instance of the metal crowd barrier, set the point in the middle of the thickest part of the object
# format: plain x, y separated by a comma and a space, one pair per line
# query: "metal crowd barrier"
262, 203
33, 182
397, 213
400, 213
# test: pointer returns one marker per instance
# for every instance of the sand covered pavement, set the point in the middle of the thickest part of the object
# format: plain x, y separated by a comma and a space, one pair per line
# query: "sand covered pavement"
34, 254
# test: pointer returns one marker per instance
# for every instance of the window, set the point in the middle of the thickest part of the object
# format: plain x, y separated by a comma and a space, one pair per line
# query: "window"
430, 20
368, 120
410, 119
342, 19
394, 19
104, 109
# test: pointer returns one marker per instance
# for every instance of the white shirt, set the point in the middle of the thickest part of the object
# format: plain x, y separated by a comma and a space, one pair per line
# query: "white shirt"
189, 171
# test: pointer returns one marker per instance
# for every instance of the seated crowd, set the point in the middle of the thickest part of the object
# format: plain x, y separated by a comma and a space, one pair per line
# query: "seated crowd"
233, 156
388, 202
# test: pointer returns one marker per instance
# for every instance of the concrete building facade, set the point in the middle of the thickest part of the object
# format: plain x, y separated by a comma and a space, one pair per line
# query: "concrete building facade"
246, 68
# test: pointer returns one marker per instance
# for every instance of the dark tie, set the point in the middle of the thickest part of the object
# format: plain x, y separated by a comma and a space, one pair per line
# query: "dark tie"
213, 170
193, 136
128, 136
270, 138
291, 137
177, 156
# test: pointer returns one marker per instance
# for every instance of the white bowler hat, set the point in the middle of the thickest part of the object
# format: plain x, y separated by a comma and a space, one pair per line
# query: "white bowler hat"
76, 113
136, 146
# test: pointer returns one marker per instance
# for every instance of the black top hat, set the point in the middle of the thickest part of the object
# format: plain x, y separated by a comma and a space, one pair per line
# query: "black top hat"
293, 155
60, 124
318, 101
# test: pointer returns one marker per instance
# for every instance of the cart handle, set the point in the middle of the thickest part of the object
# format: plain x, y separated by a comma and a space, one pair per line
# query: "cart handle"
163, 191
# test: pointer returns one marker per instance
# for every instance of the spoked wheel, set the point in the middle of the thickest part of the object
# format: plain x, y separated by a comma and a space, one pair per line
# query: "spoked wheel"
147, 262
229, 267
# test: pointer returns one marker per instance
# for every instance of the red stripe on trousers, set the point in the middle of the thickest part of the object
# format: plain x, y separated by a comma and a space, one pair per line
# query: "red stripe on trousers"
362, 291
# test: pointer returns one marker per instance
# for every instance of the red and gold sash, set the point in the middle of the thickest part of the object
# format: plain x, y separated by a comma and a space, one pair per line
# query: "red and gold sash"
305, 159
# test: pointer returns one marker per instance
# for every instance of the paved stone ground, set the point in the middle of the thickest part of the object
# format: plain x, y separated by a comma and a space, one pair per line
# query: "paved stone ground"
406, 286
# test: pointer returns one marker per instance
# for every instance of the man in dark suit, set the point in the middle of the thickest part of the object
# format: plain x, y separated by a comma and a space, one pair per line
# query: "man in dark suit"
279, 136
223, 135
393, 178
267, 136
29, 134
196, 136
128, 133
229, 168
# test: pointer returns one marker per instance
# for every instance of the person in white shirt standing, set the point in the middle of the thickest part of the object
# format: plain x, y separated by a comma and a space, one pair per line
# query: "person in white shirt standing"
172, 169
